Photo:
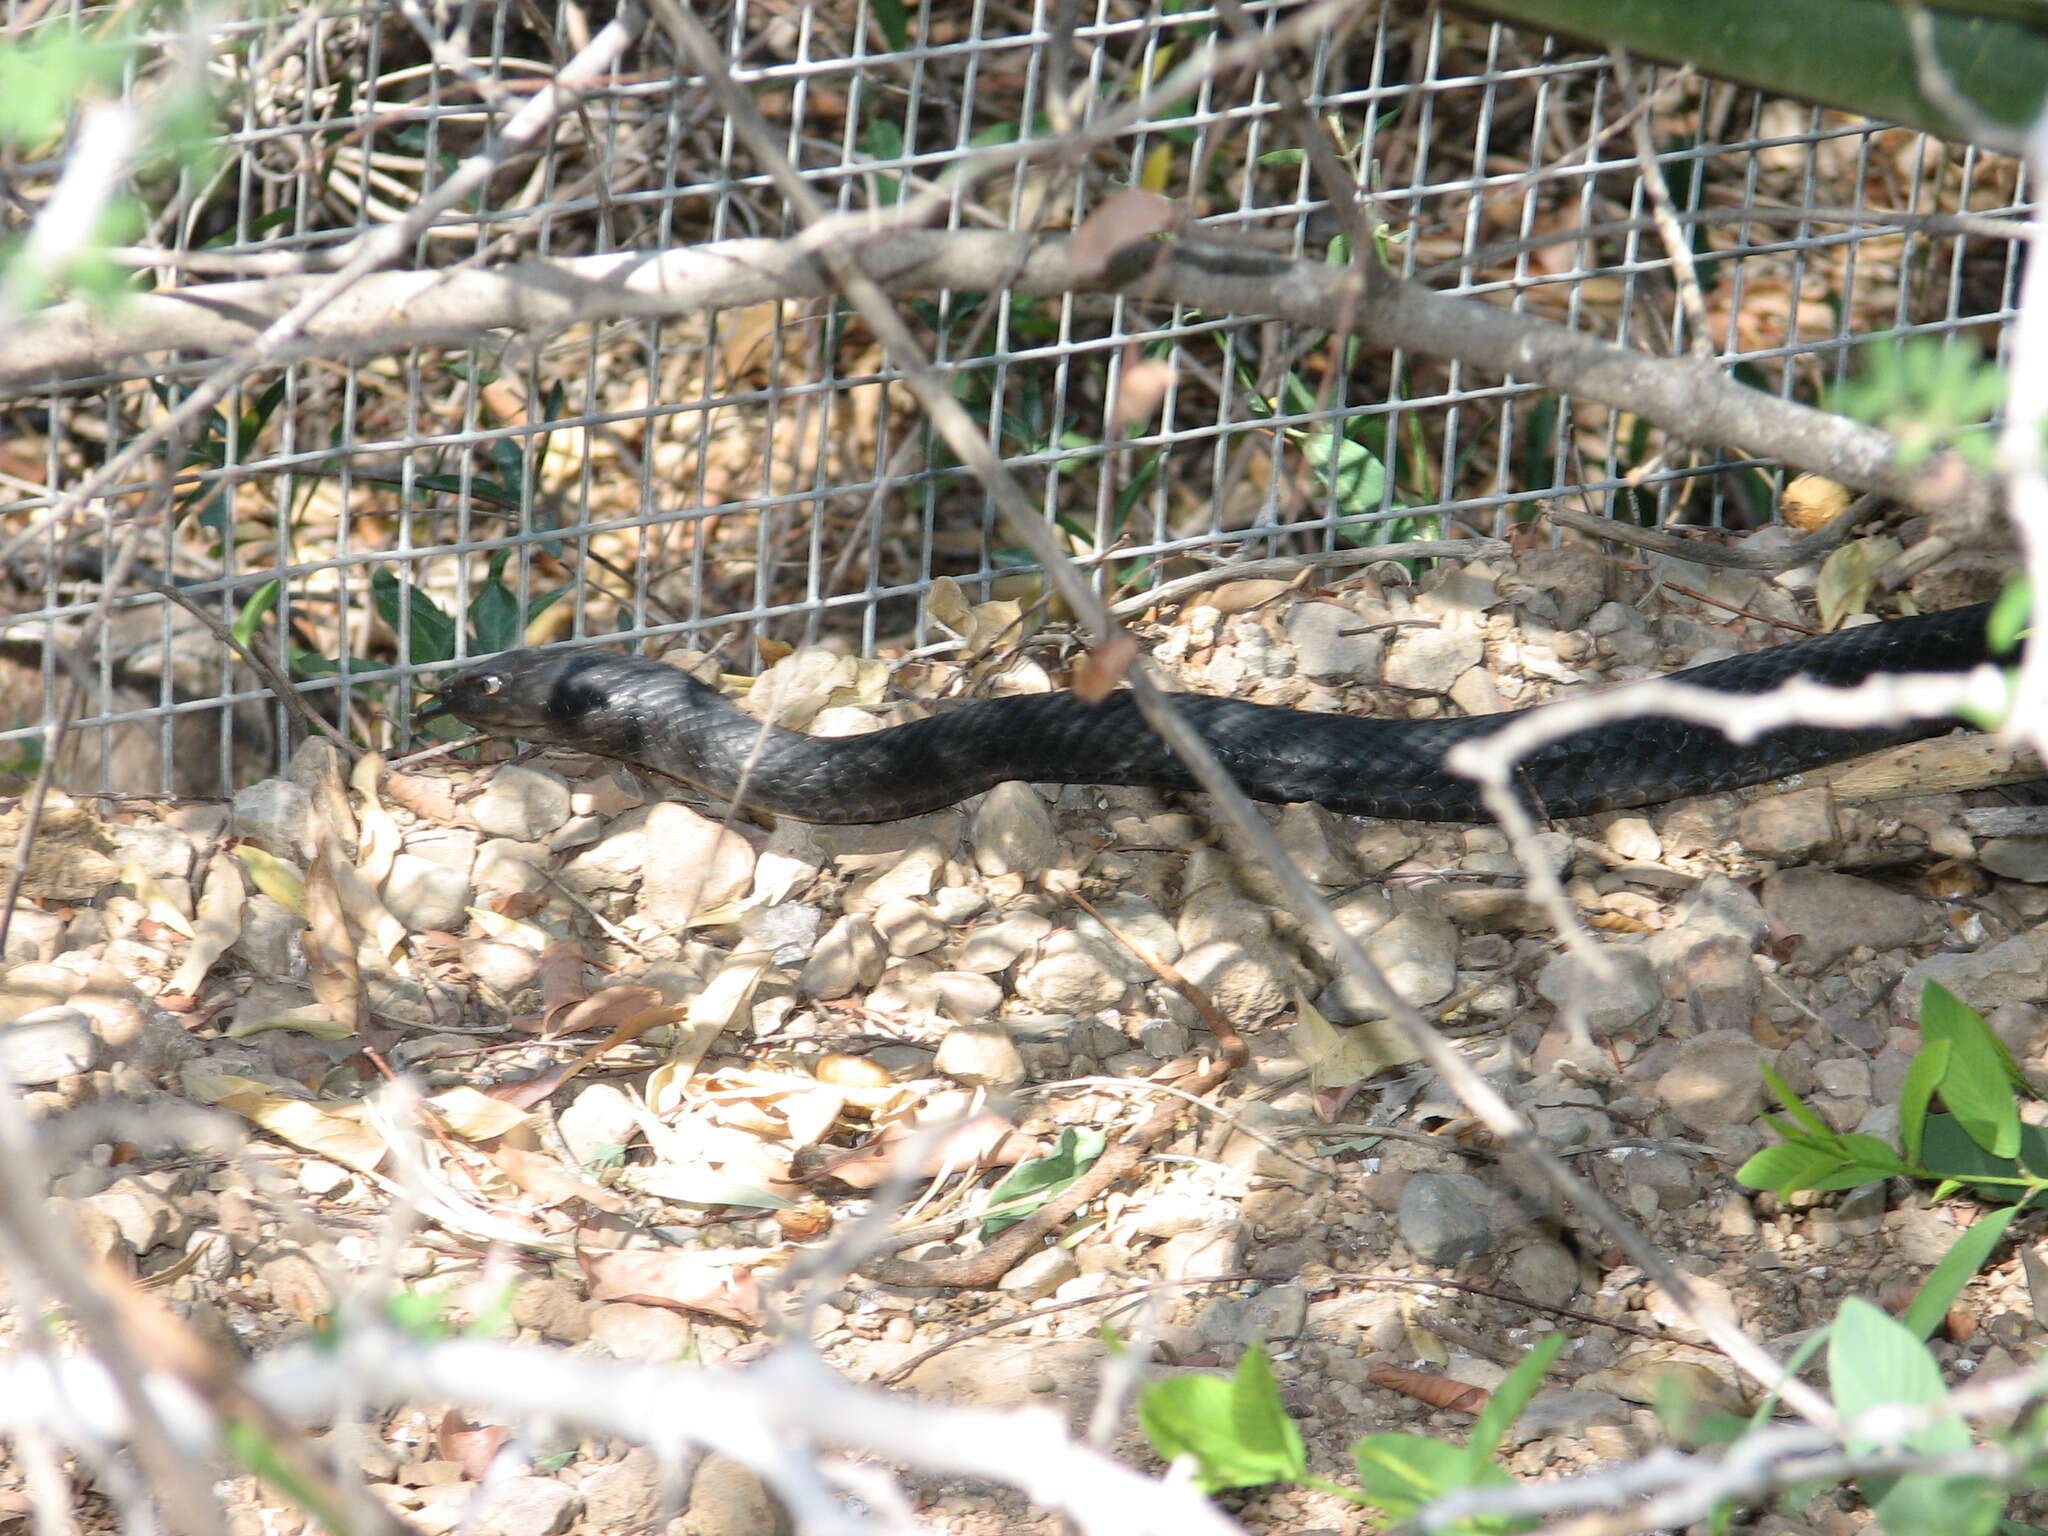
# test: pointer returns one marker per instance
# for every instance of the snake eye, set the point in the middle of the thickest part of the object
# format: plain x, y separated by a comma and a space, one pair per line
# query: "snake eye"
492, 683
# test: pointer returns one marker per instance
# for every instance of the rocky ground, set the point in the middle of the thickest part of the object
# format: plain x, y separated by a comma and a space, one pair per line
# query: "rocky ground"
665, 1056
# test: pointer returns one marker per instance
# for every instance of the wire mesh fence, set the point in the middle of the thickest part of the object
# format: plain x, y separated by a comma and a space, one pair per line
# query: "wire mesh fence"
751, 478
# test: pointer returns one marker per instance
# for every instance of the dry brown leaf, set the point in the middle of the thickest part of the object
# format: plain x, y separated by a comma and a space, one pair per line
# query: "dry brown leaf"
1848, 577
1244, 596
711, 1012
509, 930
474, 1115
430, 799
543, 1179
986, 1141
780, 1106
1105, 667
156, 901
330, 945
380, 832
381, 934
561, 978
792, 691
334, 1131
603, 1009
1117, 222
220, 922
471, 1447
1337, 1058
526, 1094
1424, 1387
718, 1282
1142, 388
314, 1020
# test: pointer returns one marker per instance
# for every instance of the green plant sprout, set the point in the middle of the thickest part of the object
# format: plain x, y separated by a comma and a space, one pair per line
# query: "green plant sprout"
1927, 393
1978, 1143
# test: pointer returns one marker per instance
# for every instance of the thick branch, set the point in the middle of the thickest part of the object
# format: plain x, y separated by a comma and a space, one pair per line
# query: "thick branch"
1693, 400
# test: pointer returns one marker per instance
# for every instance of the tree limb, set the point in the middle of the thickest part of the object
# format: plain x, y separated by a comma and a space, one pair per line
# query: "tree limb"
1691, 399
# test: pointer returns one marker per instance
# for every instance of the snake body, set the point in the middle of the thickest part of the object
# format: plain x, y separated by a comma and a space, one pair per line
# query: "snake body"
645, 711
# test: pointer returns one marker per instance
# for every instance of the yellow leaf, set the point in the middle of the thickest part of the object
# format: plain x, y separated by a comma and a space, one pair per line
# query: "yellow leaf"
1158, 167
509, 930
314, 1020
476, 1116
1339, 1057
155, 899
274, 878
220, 923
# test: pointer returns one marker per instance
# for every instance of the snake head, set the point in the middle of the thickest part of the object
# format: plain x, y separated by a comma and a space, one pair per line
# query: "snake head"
542, 696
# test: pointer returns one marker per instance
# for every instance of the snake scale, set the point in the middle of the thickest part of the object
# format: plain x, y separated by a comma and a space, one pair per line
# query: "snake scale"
644, 711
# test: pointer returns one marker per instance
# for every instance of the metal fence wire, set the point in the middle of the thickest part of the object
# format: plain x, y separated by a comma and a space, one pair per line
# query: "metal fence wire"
755, 478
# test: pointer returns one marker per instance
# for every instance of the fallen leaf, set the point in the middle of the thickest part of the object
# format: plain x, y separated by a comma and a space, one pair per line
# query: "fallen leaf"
1142, 387
1105, 667
1243, 596
381, 837
475, 1115
603, 1009
544, 1179
986, 1141
156, 901
533, 1090
711, 1012
718, 1282
1337, 1058
792, 691
1848, 577
561, 977
470, 1446
382, 935
1119, 221
334, 1131
330, 944
1426, 1387
275, 878
509, 930
219, 925
315, 1021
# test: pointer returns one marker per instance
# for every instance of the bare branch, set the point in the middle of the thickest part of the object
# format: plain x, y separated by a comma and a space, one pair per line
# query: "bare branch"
1692, 399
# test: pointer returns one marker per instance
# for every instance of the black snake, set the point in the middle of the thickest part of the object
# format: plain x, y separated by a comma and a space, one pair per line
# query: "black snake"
647, 712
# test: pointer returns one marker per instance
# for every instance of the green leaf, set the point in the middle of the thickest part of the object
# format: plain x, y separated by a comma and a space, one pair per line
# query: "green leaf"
1401, 1473
1945, 1282
1922, 1077
1030, 1185
1978, 1086
1954, 1506
2010, 614
1236, 1430
479, 489
1508, 1401
259, 602
1820, 1163
494, 611
1876, 1361
432, 631
893, 21
1794, 1105
1351, 474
